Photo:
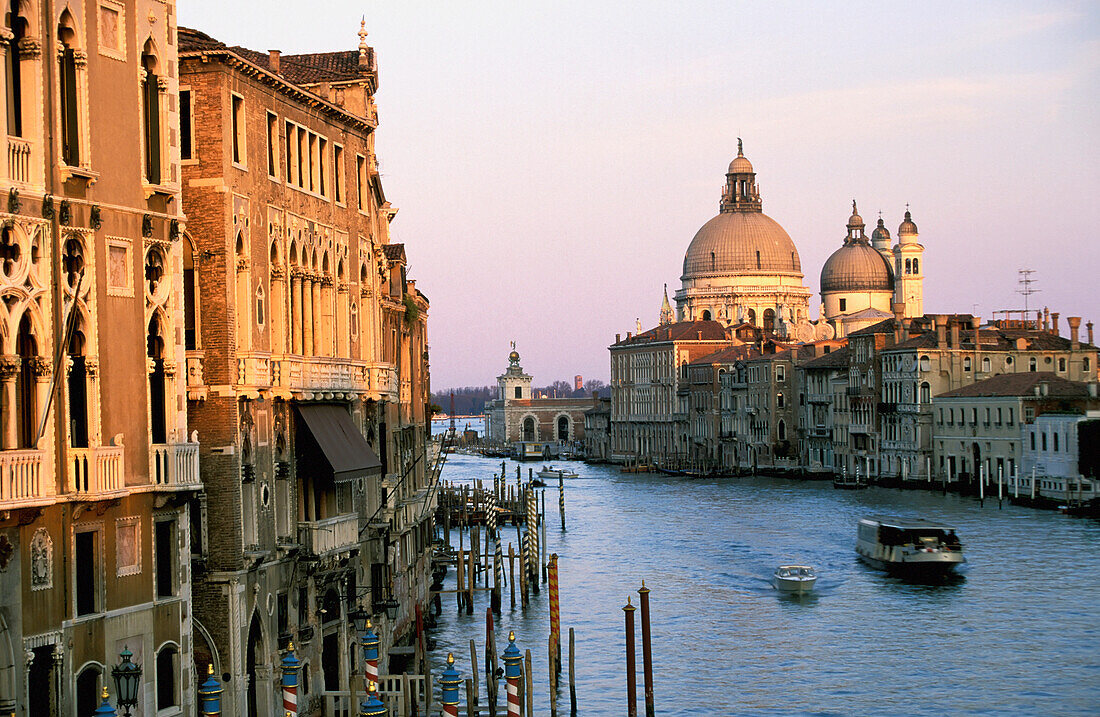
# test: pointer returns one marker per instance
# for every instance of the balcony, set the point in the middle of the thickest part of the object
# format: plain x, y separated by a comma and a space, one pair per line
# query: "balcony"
175, 465
95, 470
21, 476
314, 376
820, 432
331, 535
887, 407
19, 160
825, 398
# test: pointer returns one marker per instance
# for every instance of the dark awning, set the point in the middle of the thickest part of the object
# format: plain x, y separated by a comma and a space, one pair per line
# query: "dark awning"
344, 447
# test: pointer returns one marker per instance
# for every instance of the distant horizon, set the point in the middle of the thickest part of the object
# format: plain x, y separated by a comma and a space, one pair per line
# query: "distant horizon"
552, 162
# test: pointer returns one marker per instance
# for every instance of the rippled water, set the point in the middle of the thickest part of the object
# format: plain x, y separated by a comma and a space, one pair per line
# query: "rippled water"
1017, 633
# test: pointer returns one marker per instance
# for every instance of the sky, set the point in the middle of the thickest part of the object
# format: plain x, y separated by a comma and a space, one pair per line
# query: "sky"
553, 160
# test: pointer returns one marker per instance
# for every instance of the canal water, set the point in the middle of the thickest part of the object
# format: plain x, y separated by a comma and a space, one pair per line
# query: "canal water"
1016, 633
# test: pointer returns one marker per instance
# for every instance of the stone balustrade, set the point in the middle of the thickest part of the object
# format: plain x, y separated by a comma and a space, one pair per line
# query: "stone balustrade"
21, 476
330, 535
175, 464
19, 160
95, 470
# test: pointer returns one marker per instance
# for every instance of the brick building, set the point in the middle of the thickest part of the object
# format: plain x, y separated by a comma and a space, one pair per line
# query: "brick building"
97, 474
307, 370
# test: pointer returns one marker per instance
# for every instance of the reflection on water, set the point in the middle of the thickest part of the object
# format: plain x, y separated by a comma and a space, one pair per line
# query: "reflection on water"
1005, 635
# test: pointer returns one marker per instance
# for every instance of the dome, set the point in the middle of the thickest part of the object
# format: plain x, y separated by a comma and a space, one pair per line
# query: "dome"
513, 357
856, 266
907, 227
741, 242
741, 165
881, 233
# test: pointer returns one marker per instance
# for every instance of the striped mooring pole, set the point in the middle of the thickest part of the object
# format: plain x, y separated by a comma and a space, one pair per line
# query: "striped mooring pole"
370, 643
450, 681
555, 612
372, 706
533, 538
290, 665
512, 673
210, 694
561, 500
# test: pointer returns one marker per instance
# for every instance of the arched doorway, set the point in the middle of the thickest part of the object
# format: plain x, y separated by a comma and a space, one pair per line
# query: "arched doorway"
158, 427
706, 315
254, 656
529, 428
563, 428
87, 690
27, 348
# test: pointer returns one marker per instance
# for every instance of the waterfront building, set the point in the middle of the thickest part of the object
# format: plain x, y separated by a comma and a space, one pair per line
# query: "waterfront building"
742, 266
515, 416
307, 369
597, 431
823, 411
1051, 455
98, 476
648, 418
983, 428
712, 437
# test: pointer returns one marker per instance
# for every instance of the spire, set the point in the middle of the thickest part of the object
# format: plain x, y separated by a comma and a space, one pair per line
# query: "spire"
363, 47
666, 310
855, 227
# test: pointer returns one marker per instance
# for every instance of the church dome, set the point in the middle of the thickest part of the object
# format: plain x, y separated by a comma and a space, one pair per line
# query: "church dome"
907, 228
741, 242
741, 165
881, 233
856, 266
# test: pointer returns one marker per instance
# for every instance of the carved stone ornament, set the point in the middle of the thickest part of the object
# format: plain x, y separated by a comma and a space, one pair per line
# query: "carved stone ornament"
9, 367
278, 273
30, 48
169, 369
47, 206
95, 217
41, 367
14, 205
6, 551
174, 230
65, 212
41, 560
242, 264
91, 367
146, 226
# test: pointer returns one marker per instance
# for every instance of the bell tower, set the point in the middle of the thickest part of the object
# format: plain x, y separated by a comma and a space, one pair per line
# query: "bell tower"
908, 276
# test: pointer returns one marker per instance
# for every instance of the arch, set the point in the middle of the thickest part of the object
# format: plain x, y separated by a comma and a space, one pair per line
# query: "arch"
706, 314
167, 672
239, 245
7, 668
150, 55
530, 428
26, 347
363, 275
88, 682
78, 386
158, 405
68, 29
769, 320
751, 317
204, 651
255, 655
190, 296
564, 428
294, 254
916, 266
68, 37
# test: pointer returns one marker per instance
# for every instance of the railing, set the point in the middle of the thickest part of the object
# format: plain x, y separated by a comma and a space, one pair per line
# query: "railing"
19, 159
307, 373
391, 690
95, 470
175, 464
321, 537
21, 475
819, 398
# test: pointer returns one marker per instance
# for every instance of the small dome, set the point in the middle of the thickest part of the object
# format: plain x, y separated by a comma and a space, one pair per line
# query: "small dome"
881, 233
741, 165
741, 242
513, 357
856, 266
907, 227
855, 220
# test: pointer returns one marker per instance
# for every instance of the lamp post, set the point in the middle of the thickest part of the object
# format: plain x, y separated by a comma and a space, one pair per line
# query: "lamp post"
290, 665
127, 681
210, 694
105, 709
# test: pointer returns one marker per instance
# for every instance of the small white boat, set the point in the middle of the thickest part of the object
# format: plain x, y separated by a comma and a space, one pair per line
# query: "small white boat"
794, 578
554, 473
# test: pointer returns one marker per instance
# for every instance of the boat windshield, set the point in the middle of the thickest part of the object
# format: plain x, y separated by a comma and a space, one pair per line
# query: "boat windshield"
806, 572
889, 535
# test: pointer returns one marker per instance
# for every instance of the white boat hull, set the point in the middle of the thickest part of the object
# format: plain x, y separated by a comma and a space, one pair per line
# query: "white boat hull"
793, 585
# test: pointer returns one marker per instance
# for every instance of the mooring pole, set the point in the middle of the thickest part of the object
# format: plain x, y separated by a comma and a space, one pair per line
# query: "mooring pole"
450, 682
512, 673
631, 681
561, 500
572, 677
647, 652
555, 615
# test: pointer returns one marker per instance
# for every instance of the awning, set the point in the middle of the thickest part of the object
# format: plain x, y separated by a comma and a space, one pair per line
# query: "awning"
343, 446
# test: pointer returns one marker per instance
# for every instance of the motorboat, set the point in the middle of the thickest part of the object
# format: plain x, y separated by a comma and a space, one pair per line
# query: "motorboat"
550, 472
794, 579
914, 547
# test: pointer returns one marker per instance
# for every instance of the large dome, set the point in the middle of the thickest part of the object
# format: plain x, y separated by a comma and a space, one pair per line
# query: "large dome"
856, 266
738, 243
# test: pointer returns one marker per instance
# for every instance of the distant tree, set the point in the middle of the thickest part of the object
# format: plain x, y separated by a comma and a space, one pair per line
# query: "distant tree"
594, 385
561, 389
469, 400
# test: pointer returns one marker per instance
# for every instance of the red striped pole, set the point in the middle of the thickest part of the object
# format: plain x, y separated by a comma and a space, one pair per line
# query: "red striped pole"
290, 665
555, 612
512, 673
371, 643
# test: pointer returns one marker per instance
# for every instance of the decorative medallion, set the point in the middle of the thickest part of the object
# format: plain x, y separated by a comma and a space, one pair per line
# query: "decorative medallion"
41, 560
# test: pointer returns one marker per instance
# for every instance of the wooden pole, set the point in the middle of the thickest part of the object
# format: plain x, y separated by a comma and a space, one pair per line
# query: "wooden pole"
572, 677
473, 671
529, 679
631, 664
561, 500
512, 573
647, 651
491, 685
472, 562
460, 577
553, 677
471, 710
542, 543
555, 616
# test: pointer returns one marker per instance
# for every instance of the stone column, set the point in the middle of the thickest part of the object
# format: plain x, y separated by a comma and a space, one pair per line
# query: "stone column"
9, 421
307, 315
296, 298
317, 313
276, 310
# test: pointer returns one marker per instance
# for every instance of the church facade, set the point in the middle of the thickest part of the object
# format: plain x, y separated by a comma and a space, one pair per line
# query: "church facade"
515, 416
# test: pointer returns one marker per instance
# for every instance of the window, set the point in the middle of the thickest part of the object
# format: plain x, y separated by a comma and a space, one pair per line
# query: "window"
128, 546
780, 401
1043, 437
966, 364
998, 415
973, 416
987, 365
338, 172
167, 667
87, 690
1085, 364
150, 113
519, 392
70, 108
1032, 364
1062, 364
238, 130
260, 313
190, 297
1010, 417
322, 153
187, 128
782, 431
780, 373
843, 304
361, 177
925, 393
13, 71
272, 145
86, 561
1054, 435
291, 154
164, 546
1032, 434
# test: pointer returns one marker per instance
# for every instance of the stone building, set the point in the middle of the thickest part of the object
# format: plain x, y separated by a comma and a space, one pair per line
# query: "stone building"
742, 266
515, 416
98, 477
1051, 456
597, 431
307, 369
823, 412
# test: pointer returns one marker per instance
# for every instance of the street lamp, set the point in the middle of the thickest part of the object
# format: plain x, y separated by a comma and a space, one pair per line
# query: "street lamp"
127, 681
359, 618
390, 606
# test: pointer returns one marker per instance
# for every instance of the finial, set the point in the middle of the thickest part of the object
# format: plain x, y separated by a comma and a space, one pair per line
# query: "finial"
104, 692
372, 686
209, 668
740, 153
511, 636
290, 646
363, 35
450, 658
854, 207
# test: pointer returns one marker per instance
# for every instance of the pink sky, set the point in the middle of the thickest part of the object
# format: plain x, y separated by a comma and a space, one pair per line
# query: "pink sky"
552, 161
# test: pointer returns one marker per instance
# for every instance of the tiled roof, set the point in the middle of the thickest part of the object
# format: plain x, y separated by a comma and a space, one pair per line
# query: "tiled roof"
729, 354
1021, 384
882, 327
311, 68
394, 252
838, 358
680, 331
995, 339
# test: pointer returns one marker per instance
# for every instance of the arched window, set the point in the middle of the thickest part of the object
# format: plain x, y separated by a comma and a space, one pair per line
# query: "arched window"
190, 297
987, 365
78, 392
529, 429
261, 304
966, 363
712, 264
781, 430
757, 258
87, 690
158, 419
150, 114
916, 266
908, 266
70, 107
769, 320
27, 399
925, 393
706, 315
1032, 364
167, 684
563, 428
13, 71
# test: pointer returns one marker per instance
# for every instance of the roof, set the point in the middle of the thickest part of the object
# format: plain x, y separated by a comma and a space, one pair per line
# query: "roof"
992, 338
728, 354
907, 523
679, 331
1021, 384
394, 252
741, 243
856, 266
833, 359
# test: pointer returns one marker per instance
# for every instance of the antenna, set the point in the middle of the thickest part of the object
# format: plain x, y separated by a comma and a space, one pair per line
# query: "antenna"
1025, 283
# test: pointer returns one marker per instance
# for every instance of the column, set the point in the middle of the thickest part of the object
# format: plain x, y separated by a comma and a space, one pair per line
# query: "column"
307, 315
296, 309
9, 421
317, 312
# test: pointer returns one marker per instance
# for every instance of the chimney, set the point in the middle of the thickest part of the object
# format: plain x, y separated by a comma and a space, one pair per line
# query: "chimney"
1074, 327
1044, 389
1088, 328
1054, 323
618, 338
901, 331
273, 60
955, 334
699, 334
628, 334
941, 330
1046, 318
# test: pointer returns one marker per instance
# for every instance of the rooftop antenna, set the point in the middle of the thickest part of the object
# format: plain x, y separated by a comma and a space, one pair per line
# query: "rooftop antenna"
1025, 283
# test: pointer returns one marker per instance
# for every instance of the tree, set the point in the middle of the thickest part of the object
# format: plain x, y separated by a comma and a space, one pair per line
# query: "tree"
594, 385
